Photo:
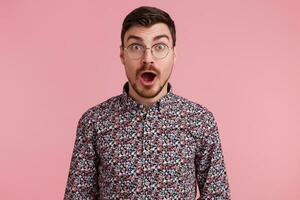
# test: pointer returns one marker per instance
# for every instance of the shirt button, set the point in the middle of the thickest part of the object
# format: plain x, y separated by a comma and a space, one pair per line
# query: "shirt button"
117, 141
183, 160
138, 188
139, 134
160, 185
159, 148
139, 171
140, 152
159, 167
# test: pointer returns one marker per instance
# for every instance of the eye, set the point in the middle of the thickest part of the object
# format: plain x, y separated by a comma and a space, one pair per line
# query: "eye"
135, 47
160, 47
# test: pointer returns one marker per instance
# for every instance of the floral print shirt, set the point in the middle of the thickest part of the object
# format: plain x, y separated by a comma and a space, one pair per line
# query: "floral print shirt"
125, 150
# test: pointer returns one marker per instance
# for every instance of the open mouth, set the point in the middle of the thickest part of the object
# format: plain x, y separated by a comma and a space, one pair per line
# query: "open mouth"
148, 76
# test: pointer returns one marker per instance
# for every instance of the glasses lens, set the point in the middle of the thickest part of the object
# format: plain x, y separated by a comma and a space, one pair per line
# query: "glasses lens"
135, 51
160, 51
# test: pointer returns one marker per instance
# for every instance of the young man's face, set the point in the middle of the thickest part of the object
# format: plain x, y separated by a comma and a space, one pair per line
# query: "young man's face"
142, 84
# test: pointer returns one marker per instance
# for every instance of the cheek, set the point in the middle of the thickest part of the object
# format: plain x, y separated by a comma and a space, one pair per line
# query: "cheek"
167, 66
133, 64
131, 68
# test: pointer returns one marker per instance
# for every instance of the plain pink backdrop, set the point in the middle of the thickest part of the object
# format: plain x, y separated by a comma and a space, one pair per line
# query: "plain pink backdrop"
240, 59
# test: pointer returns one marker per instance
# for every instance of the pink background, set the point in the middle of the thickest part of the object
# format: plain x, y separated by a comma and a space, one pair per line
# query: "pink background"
240, 60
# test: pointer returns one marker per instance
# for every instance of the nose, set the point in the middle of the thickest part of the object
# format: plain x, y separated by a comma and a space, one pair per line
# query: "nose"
147, 57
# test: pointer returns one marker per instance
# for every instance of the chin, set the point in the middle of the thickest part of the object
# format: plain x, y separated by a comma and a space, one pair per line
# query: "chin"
150, 94
153, 92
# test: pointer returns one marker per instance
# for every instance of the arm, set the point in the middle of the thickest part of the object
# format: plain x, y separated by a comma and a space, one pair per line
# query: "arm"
82, 180
210, 167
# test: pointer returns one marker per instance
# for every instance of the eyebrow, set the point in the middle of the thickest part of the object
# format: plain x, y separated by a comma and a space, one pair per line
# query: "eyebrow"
141, 39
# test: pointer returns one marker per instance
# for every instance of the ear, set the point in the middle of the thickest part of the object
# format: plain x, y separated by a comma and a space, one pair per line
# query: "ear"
174, 53
122, 54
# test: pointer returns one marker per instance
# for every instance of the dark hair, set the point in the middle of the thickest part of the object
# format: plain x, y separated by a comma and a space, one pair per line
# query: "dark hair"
148, 16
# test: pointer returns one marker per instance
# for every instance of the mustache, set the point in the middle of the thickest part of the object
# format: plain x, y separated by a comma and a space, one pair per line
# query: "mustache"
148, 67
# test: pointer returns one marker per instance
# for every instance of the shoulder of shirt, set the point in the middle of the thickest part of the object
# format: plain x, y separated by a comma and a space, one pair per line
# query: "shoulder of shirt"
102, 110
201, 118
192, 107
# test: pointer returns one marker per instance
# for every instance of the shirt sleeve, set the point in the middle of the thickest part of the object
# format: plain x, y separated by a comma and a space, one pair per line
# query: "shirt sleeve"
82, 180
211, 174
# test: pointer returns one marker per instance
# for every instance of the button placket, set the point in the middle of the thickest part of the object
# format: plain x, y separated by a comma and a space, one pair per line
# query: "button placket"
140, 168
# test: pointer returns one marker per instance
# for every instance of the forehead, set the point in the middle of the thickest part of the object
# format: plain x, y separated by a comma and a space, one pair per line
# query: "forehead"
148, 34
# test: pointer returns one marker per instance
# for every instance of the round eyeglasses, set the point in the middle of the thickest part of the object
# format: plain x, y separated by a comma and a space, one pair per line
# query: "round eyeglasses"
158, 51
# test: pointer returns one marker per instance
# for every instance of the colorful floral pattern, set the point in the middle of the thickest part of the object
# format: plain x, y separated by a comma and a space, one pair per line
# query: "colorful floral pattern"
125, 150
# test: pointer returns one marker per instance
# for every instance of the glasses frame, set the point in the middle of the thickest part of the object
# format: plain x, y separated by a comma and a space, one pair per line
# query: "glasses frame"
145, 49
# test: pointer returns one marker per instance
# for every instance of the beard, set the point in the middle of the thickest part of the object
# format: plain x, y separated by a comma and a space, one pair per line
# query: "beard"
151, 91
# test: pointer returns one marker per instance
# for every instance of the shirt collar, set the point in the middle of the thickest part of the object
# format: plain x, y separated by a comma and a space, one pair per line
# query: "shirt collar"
162, 104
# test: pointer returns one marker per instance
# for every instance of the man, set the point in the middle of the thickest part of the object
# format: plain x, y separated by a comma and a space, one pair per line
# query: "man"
147, 143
